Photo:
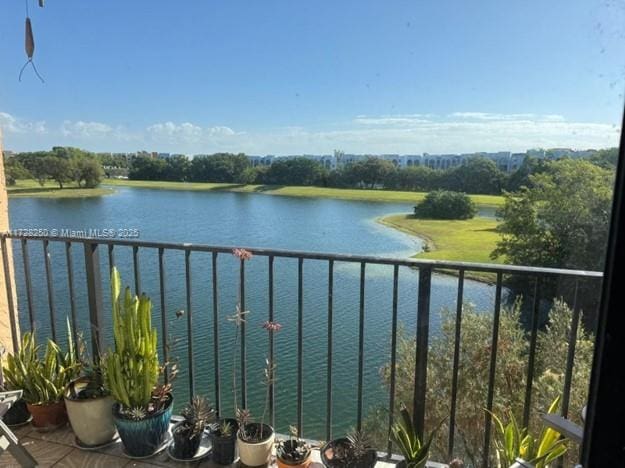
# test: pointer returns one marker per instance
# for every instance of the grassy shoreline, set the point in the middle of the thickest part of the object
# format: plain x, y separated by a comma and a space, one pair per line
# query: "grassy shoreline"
455, 240
32, 189
295, 191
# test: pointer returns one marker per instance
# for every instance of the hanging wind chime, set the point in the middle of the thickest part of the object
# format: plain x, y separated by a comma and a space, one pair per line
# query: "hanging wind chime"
30, 44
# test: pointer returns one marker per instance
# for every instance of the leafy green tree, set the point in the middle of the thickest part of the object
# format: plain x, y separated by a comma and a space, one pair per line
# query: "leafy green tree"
444, 204
249, 175
58, 169
478, 176
110, 160
88, 172
371, 171
521, 177
145, 168
14, 170
413, 178
220, 167
473, 376
606, 158
561, 221
35, 165
177, 168
294, 171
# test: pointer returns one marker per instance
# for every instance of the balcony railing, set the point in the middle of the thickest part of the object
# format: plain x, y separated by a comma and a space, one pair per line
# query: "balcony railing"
94, 249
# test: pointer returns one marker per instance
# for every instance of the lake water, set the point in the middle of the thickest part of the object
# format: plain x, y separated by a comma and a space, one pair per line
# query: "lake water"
252, 220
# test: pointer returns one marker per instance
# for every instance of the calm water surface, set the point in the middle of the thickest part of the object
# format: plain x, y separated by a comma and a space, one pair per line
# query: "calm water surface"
234, 219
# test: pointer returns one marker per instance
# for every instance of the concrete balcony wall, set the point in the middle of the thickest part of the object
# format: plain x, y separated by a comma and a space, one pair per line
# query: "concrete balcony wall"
5, 320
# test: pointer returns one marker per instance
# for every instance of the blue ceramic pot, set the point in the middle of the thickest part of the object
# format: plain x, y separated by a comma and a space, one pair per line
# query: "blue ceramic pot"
142, 438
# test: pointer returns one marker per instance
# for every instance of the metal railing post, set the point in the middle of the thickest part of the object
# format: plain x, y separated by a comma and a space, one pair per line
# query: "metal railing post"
421, 350
94, 294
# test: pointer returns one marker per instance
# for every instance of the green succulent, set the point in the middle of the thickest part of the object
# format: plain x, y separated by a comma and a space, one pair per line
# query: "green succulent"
360, 443
132, 368
512, 442
292, 451
403, 434
42, 379
197, 414
226, 428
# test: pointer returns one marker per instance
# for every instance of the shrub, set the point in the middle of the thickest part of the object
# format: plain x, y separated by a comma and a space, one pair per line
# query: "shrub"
443, 204
512, 351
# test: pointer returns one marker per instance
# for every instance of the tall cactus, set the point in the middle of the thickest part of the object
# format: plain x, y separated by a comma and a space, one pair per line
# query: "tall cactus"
132, 369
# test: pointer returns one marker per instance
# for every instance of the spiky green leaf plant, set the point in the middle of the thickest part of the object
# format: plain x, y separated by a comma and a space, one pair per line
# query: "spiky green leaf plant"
512, 442
403, 434
42, 379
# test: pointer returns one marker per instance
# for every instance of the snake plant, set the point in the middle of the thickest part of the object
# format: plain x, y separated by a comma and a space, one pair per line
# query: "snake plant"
132, 368
512, 442
403, 434
43, 379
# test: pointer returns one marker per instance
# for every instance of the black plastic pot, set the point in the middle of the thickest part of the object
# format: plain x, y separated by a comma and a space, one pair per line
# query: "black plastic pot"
185, 447
17, 414
337, 445
223, 448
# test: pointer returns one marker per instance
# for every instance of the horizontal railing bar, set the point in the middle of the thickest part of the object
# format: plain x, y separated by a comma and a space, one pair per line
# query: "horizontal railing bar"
434, 264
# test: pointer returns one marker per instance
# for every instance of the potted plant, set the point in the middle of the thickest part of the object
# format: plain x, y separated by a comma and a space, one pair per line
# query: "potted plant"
293, 452
353, 451
18, 412
518, 448
403, 434
188, 432
223, 437
43, 380
142, 408
89, 408
254, 440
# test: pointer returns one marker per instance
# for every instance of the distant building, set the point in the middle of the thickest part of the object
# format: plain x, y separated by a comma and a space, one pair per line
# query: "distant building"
516, 159
505, 160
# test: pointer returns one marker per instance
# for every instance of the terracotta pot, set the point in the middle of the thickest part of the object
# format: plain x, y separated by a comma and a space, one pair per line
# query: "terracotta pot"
142, 438
91, 418
259, 453
304, 464
48, 417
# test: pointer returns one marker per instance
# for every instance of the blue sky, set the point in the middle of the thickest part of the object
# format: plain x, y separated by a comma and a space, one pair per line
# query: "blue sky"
289, 77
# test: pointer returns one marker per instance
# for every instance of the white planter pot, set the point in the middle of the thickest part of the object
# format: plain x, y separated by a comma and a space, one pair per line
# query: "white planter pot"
256, 454
91, 419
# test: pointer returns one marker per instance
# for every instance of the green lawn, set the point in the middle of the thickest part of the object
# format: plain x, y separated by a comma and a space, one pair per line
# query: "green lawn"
31, 188
345, 194
468, 241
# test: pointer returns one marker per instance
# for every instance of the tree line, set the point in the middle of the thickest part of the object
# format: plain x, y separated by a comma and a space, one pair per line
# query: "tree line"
478, 176
62, 165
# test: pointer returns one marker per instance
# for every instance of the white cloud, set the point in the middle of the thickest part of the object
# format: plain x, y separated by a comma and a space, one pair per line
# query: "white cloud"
11, 124
393, 120
496, 116
186, 132
464, 132
401, 133
82, 129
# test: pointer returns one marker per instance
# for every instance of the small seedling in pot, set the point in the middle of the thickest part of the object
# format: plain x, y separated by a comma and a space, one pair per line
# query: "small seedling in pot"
293, 451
